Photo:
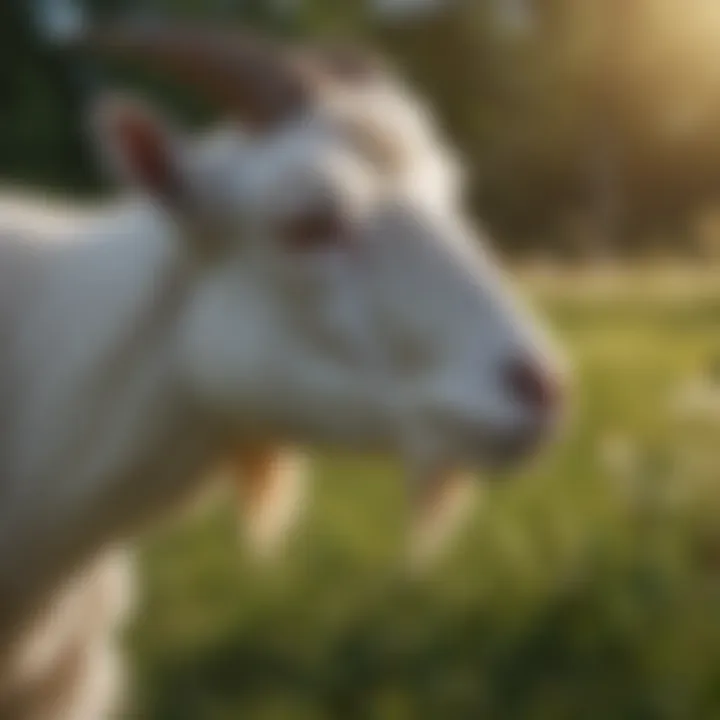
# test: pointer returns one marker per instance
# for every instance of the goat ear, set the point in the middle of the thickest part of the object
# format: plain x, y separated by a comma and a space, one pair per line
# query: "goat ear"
142, 149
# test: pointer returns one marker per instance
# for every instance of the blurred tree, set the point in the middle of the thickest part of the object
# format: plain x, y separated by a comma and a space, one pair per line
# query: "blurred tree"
39, 136
598, 116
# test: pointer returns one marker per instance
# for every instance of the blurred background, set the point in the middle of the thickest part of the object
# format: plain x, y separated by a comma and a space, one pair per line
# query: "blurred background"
590, 586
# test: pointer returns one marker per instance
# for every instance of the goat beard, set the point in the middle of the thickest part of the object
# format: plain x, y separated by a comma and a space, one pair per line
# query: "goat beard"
272, 483
439, 507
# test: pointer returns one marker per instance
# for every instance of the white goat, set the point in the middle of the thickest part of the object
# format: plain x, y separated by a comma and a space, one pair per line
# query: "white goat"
308, 280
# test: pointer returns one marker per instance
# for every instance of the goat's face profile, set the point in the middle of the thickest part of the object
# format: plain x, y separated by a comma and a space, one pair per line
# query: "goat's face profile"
343, 298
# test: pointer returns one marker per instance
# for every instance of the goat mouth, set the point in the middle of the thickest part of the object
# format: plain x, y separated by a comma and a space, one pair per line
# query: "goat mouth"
508, 448
490, 447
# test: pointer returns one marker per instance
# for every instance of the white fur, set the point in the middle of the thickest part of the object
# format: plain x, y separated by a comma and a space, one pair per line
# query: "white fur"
132, 362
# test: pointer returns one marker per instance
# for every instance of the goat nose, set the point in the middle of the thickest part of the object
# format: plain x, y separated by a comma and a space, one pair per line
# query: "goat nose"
534, 386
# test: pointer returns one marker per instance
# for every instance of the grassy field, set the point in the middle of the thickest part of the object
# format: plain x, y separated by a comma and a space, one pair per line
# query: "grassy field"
586, 588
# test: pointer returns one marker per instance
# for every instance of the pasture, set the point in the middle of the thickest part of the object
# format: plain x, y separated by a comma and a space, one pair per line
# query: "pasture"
589, 587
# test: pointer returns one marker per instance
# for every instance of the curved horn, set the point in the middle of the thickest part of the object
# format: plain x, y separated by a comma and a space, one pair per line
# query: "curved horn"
261, 83
349, 63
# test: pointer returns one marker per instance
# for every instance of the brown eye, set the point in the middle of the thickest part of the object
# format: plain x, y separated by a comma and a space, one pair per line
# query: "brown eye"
314, 230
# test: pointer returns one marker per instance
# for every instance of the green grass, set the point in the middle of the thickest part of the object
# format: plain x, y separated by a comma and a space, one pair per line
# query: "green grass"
586, 588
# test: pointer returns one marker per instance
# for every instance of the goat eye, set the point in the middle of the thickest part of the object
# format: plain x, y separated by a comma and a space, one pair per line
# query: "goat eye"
313, 230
